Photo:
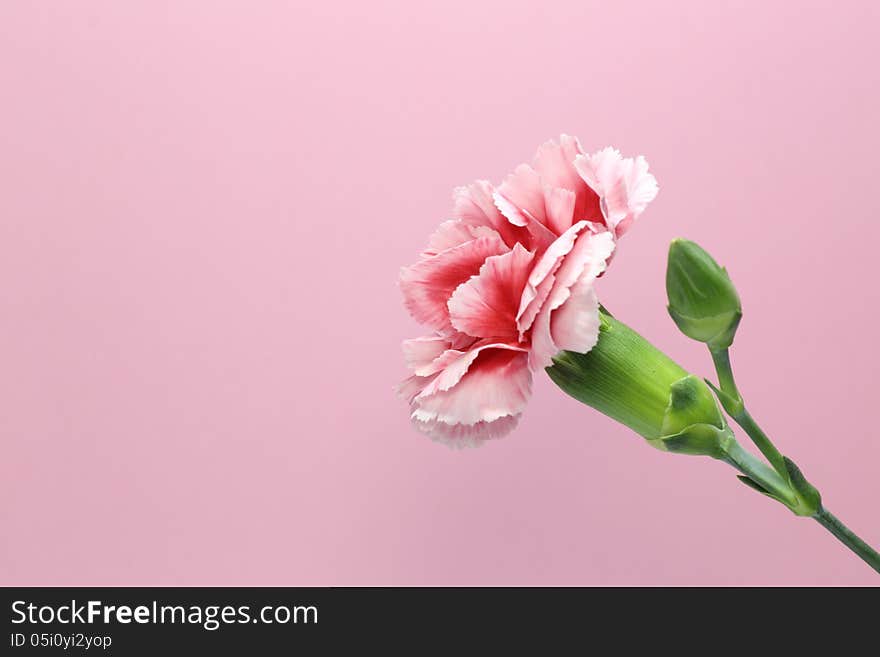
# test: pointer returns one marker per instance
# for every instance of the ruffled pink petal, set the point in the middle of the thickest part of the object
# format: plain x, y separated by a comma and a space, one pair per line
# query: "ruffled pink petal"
467, 435
540, 280
453, 364
641, 189
496, 383
509, 211
450, 368
574, 326
554, 162
487, 304
454, 233
580, 332
428, 284
569, 317
560, 204
586, 260
524, 190
526, 315
411, 386
537, 236
419, 353
624, 185
474, 206
437, 375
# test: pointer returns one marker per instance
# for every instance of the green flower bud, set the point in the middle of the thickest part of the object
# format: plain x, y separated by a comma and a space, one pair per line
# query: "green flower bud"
702, 299
629, 380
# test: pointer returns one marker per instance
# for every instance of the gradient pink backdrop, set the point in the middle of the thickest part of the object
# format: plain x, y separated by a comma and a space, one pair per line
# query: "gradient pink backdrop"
204, 208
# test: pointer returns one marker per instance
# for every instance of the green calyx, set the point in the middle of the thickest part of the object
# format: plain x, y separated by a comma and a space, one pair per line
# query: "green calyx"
629, 380
703, 301
626, 378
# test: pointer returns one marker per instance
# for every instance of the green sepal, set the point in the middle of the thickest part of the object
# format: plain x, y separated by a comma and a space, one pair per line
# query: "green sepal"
754, 485
732, 405
697, 439
690, 403
717, 331
692, 422
809, 499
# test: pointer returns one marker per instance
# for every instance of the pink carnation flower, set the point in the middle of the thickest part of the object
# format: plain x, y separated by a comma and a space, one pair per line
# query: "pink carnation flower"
509, 281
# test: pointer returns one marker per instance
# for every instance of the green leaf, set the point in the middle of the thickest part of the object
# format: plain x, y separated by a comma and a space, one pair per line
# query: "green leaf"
754, 485
733, 406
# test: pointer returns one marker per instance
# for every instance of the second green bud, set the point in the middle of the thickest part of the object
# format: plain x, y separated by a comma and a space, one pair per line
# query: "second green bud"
703, 301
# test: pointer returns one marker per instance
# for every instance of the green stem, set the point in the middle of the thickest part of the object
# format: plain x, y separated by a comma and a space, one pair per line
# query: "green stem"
762, 441
848, 538
735, 406
721, 358
778, 484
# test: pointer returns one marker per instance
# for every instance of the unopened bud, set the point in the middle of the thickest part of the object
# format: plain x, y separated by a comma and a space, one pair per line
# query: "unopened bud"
703, 301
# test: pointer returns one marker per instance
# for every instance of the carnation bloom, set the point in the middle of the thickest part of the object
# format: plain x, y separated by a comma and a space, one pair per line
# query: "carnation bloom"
508, 282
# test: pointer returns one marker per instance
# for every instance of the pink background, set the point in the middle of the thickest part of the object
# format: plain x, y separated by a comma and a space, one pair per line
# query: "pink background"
204, 208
